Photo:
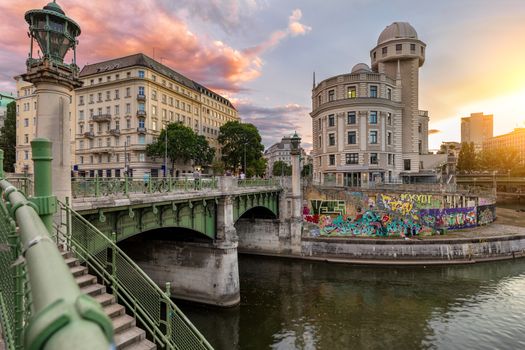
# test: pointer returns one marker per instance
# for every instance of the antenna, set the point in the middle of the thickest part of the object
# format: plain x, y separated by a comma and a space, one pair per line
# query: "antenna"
313, 86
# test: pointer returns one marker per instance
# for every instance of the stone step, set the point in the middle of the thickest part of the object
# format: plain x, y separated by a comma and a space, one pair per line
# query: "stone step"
94, 289
144, 344
72, 262
78, 270
128, 337
85, 280
114, 310
65, 254
105, 299
122, 322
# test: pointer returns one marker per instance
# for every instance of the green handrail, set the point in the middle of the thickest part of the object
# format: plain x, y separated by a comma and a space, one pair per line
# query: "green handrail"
158, 314
43, 309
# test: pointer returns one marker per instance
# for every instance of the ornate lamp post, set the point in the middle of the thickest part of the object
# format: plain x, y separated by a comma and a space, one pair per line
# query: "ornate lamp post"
296, 174
54, 81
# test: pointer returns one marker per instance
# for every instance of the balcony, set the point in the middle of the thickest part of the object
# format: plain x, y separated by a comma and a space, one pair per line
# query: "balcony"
114, 132
101, 118
141, 130
141, 98
141, 113
102, 150
89, 134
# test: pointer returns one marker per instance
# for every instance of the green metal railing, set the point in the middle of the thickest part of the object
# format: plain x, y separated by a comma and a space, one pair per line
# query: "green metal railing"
22, 182
257, 182
41, 306
107, 186
157, 313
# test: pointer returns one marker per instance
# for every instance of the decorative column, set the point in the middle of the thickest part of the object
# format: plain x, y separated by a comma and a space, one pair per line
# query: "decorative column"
296, 222
54, 82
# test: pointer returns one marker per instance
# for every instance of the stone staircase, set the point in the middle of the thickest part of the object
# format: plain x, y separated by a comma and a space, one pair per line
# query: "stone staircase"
127, 335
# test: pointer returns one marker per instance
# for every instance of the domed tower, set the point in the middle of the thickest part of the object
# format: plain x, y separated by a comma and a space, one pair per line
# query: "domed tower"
399, 54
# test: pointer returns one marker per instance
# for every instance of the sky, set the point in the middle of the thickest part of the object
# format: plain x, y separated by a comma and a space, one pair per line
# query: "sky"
261, 54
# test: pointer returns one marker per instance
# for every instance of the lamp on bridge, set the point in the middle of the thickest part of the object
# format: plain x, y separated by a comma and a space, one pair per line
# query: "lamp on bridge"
295, 141
54, 82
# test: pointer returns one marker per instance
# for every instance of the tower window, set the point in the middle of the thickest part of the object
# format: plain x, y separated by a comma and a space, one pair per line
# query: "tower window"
372, 137
331, 139
412, 48
331, 120
372, 119
384, 50
399, 48
331, 159
351, 118
373, 158
373, 91
331, 95
351, 92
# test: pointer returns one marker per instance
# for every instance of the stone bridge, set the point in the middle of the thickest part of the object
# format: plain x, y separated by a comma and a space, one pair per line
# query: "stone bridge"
189, 237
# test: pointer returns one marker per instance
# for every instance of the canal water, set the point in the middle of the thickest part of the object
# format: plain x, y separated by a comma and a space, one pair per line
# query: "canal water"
294, 304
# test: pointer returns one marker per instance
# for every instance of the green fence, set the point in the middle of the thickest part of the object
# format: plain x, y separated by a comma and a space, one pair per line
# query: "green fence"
153, 307
109, 186
258, 182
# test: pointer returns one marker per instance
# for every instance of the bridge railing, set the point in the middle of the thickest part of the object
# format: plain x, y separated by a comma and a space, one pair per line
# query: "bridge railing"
40, 303
152, 306
257, 182
122, 186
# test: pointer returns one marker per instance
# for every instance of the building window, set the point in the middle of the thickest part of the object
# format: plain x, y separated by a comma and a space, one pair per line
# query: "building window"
26, 155
81, 129
141, 106
141, 123
128, 92
26, 122
389, 118
128, 108
142, 139
81, 159
320, 141
374, 55
141, 74
419, 128
389, 94
331, 95
117, 109
389, 159
26, 138
422, 50
331, 139
80, 115
406, 164
117, 94
373, 91
108, 110
351, 92
373, 158
352, 139
154, 95
99, 97
372, 137
350, 118
372, 118
319, 100
90, 98
331, 120
384, 50
81, 101
352, 158
108, 95
142, 157
399, 48
420, 146
331, 159
128, 123
389, 138
412, 48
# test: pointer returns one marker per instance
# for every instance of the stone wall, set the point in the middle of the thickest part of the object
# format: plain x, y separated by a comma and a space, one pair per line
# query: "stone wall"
264, 235
435, 250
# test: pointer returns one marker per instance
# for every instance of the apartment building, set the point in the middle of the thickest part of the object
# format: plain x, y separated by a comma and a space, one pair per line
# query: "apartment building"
477, 128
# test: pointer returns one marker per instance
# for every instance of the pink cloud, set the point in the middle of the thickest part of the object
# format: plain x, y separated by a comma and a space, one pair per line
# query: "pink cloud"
114, 28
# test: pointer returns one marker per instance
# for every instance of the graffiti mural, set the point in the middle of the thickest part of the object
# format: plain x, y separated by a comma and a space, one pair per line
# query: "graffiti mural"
328, 207
486, 214
450, 218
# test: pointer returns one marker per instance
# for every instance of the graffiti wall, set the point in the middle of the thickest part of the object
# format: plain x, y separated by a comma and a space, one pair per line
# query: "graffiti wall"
389, 214
486, 214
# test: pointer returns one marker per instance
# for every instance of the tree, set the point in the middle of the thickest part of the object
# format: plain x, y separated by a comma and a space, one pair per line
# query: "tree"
8, 138
217, 167
182, 145
257, 167
281, 168
467, 158
307, 170
239, 141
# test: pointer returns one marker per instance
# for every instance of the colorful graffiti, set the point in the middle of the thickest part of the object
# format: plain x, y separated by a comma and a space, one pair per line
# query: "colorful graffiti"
486, 214
328, 207
451, 218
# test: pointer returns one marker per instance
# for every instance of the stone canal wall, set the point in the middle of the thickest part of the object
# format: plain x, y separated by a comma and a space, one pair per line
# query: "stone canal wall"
459, 250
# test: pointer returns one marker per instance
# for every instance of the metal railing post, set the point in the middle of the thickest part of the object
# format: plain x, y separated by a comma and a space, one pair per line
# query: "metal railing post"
43, 189
126, 188
114, 284
1, 164
169, 311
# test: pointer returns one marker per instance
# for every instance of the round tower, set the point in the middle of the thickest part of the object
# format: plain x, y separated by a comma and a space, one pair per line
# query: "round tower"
399, 54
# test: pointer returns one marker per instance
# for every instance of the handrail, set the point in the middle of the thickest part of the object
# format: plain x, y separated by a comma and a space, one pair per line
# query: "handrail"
61, 316
123, 186
153, 307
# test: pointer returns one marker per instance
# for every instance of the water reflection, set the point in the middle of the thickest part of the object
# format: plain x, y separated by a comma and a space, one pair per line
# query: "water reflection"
289, 304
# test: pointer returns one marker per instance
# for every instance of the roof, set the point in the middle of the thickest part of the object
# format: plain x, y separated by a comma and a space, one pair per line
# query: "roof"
397, 30
142, 60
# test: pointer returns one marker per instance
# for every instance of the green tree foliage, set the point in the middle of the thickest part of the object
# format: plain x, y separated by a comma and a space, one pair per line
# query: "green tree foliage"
504, 160
183, 145
467, 158
307, 170
257, 168
281, 168
8, 138
236, 139
218, 167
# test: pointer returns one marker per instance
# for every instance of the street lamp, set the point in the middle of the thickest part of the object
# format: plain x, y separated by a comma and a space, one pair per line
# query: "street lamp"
55, 34
245, 143
295, 141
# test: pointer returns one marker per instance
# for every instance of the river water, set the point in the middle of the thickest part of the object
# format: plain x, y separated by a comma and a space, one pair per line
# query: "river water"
294, 304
